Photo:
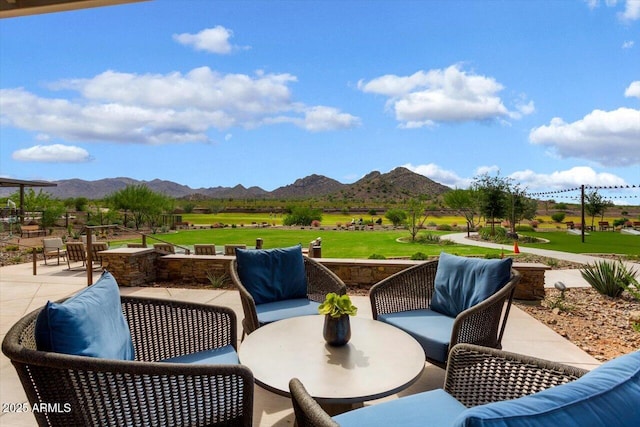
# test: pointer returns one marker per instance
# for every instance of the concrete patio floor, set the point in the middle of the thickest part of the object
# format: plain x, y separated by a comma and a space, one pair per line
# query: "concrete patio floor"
22, 292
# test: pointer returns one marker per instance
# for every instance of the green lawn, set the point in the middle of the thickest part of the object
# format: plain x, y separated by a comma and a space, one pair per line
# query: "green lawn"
362, 244
335, 244
597, 242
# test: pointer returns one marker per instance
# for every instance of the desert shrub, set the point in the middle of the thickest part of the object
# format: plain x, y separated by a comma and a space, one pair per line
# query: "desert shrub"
620, 222
377, 256
419, 256
11, 248
444, 227
609, 278
558, 216
428, 238
217, 281
534, 224
315, 223
499, 233
302, 216
522, 228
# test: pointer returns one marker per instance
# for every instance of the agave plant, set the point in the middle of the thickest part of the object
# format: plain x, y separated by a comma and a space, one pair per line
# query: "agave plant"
337, 305
608, 278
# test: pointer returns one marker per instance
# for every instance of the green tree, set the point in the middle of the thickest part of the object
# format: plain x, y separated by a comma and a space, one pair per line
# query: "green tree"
302, 215
396, 216
144, 204
492, 197
465, 203
594, 204
416, 216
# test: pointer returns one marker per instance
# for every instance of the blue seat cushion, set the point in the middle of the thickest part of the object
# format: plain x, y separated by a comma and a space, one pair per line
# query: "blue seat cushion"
432, 408
272, 274
430, 328
285, 309
90, 323
607, 396
462, 282
220, 356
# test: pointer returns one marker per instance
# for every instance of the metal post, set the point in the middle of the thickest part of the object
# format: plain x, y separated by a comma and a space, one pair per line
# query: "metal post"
89, 256
582, 203
34, 261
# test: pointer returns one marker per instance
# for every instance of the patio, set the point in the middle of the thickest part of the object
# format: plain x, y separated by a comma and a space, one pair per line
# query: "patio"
22, 292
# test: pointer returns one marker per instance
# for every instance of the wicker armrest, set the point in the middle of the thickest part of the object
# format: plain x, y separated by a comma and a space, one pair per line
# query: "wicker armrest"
250, 322
479, 375
162, 329
321, 281
481, 324
409, 289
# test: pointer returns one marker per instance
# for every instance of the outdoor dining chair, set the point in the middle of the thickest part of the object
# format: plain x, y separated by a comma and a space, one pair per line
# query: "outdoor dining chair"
111, 360
276, 284
448, 301
53, 247
76, 252
485, 387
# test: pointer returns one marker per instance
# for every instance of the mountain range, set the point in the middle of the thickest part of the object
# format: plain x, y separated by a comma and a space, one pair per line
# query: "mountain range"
398, 183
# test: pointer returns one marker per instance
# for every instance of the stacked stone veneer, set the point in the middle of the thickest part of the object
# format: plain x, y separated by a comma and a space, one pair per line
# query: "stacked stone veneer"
137, 267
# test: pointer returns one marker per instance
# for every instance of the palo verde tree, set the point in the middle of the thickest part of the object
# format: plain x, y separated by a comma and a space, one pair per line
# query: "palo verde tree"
595, 204
492, 197
465, 203
416, 216
50, 208
518, 206
144, 204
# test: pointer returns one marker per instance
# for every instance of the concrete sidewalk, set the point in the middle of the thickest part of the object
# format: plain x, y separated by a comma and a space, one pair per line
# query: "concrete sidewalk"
22, 292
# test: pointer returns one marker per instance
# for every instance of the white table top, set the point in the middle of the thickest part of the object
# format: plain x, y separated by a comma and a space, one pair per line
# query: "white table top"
378, 361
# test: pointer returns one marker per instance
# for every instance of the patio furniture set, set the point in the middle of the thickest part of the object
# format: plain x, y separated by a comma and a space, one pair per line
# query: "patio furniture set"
72, 252
99, 358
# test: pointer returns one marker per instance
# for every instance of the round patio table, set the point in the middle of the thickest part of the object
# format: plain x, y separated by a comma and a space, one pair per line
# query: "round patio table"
378, 361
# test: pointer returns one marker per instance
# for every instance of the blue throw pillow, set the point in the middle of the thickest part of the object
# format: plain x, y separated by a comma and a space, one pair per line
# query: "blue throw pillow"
462, 282
272, 274
90, 323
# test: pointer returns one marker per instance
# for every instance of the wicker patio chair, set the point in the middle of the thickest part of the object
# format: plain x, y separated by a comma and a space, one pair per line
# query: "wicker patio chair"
205, 249
475, 376
320, 281
53, 247
145, 392
76, 252
413, 289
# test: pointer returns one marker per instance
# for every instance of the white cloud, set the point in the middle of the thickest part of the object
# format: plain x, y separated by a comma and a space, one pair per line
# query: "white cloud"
213, 40
155, 109
607, 137
631, 8
56, 153
326, 118
628, 44
559, 180
449, 95
440, 175
633, 90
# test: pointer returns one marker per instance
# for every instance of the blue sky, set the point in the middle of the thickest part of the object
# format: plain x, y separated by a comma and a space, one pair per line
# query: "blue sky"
261, 93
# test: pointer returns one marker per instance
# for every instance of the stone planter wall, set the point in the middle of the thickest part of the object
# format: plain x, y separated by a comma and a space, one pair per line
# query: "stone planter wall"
137, 267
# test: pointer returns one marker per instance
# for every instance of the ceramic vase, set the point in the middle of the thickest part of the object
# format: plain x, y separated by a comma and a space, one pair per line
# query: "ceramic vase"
337, 330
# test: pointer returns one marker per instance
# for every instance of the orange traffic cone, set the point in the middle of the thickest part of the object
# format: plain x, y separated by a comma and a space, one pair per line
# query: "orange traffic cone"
516, 249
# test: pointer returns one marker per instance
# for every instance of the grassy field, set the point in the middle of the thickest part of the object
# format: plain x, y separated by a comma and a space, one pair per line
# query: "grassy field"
335, 244
597, 242
389, 243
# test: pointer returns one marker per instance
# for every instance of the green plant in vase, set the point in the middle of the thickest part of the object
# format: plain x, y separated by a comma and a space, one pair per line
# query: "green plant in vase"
337, 327
336, 305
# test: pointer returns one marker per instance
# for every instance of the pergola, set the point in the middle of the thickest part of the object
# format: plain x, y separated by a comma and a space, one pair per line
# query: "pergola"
7, 182
13, 8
